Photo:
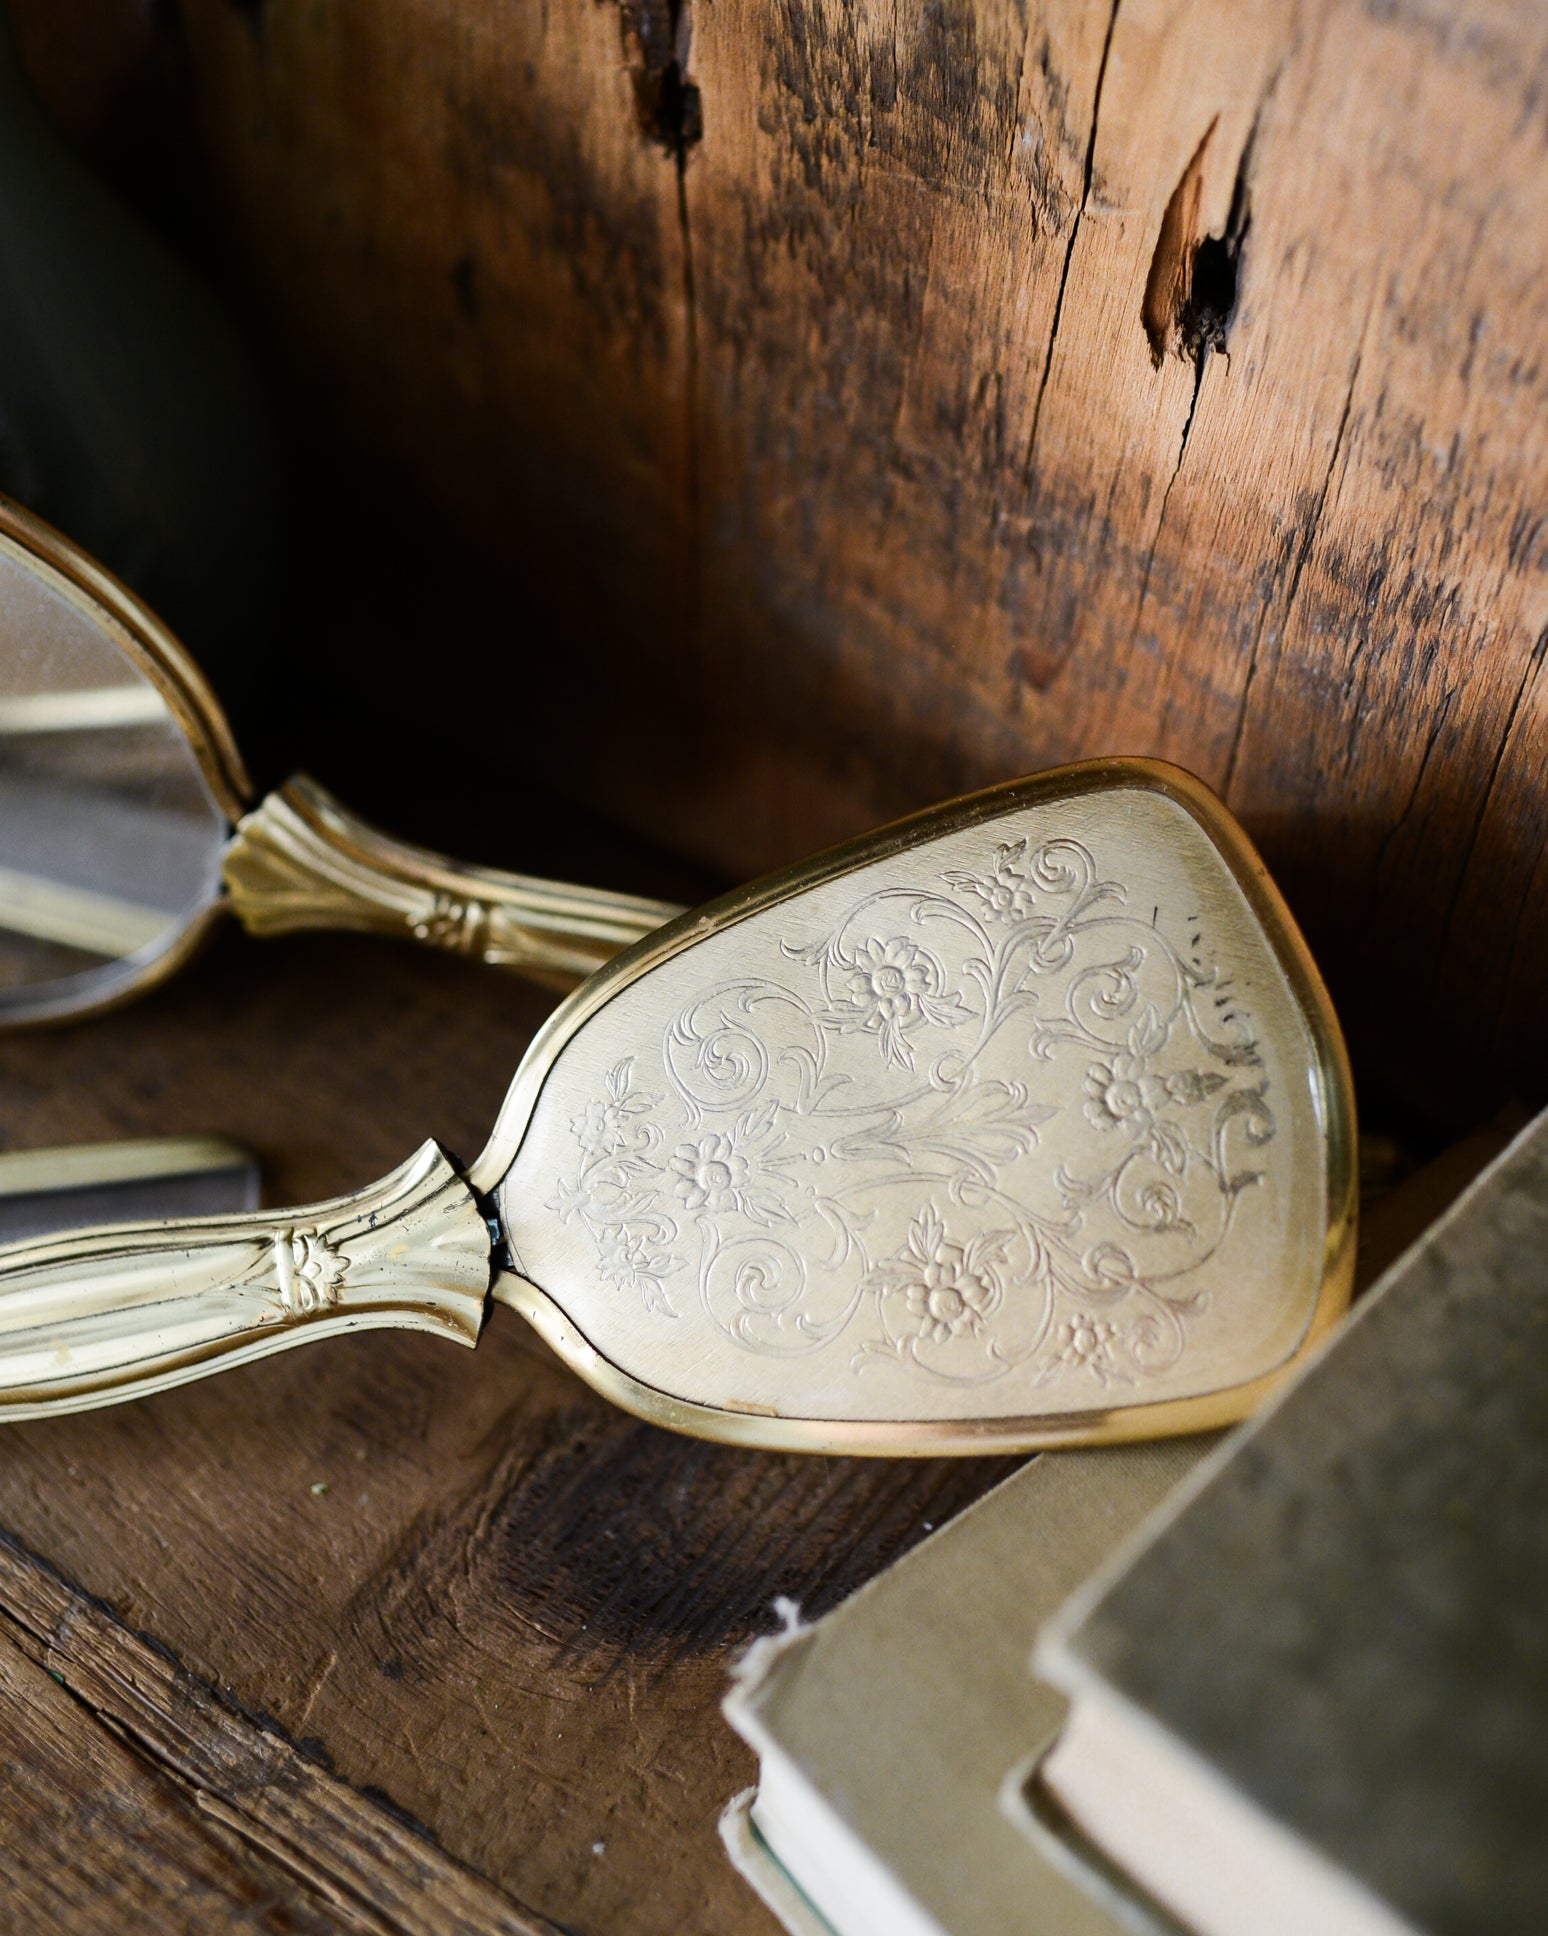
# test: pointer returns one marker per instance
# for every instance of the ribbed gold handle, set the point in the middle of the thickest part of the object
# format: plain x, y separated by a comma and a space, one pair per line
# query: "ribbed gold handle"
302, 860
100, 1315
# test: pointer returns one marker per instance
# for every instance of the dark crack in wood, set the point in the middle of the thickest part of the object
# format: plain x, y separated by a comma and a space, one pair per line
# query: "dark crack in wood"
1069, 247
668, 103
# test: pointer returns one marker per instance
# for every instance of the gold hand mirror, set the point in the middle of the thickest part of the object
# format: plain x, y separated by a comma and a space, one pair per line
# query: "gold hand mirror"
1025, 1121
119, 787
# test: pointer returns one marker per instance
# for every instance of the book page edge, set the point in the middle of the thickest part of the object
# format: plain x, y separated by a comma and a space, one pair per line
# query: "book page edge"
1163, 1816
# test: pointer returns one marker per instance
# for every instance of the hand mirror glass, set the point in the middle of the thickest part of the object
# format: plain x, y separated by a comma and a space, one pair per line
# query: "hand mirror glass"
125, 828
1023, 1122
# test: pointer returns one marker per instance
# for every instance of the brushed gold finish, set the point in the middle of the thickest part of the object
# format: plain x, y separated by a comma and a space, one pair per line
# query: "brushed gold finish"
1023, 1122
654, 1341
101, 1315
302, 860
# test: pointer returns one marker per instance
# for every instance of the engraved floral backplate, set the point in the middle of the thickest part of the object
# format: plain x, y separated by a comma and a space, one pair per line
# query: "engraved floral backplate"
1037, 1113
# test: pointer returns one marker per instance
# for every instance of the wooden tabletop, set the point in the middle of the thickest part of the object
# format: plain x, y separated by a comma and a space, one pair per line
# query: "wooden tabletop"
379, 1635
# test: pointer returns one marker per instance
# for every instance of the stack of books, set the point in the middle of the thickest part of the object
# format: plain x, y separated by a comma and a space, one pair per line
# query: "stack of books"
1289, 1682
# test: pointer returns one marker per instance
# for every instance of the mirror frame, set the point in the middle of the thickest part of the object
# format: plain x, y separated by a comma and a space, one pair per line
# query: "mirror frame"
153, 651
488, 1175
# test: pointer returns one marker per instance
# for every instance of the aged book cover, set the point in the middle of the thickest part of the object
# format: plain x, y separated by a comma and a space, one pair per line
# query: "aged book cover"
1317, 1696
885, 1732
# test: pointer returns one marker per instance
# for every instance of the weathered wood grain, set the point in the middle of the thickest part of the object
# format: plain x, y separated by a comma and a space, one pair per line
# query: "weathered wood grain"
198, 1767
776, 382
454, 1579
792, 455
527, 362
1004, 536
870, 410
96, 1841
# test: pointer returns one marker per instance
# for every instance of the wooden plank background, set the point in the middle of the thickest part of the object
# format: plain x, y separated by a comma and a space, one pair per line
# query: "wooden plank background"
771, 380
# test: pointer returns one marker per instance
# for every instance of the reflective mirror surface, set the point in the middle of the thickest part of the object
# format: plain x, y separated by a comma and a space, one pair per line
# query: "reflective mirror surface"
110, 838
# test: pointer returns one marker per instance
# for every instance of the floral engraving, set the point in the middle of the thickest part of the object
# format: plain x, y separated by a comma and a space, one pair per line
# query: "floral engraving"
308, 1273
995, 1119
1005, 887
890, 988
948, 1289
741, 1169
711, 1174
616, 1194
1088, 1341
1122, 1093
453, 922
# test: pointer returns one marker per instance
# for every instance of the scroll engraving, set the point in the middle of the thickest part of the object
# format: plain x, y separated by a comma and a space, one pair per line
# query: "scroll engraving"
997, 1119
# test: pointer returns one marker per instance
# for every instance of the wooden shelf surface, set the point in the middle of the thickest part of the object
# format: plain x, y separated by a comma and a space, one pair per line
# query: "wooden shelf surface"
381, 1634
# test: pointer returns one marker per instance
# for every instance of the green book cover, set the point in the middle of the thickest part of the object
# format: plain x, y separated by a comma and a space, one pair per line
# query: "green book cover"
1327, 1672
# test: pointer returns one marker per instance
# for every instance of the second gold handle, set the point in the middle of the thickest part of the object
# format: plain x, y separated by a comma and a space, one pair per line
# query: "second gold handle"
302, 860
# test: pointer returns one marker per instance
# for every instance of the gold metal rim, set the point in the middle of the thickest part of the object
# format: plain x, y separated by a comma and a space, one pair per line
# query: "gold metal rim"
884, 1438
151, 647
157, 652
1335, 1097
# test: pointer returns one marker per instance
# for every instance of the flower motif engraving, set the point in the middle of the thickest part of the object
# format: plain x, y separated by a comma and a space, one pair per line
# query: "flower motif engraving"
1005, 888
629, 1261
603, 1126
308, 1272
950, 1298
948, 1288
892, 987
711, 1174
802, 1189
1119, 1092
738, 1170
1087, 1342
614, 1193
